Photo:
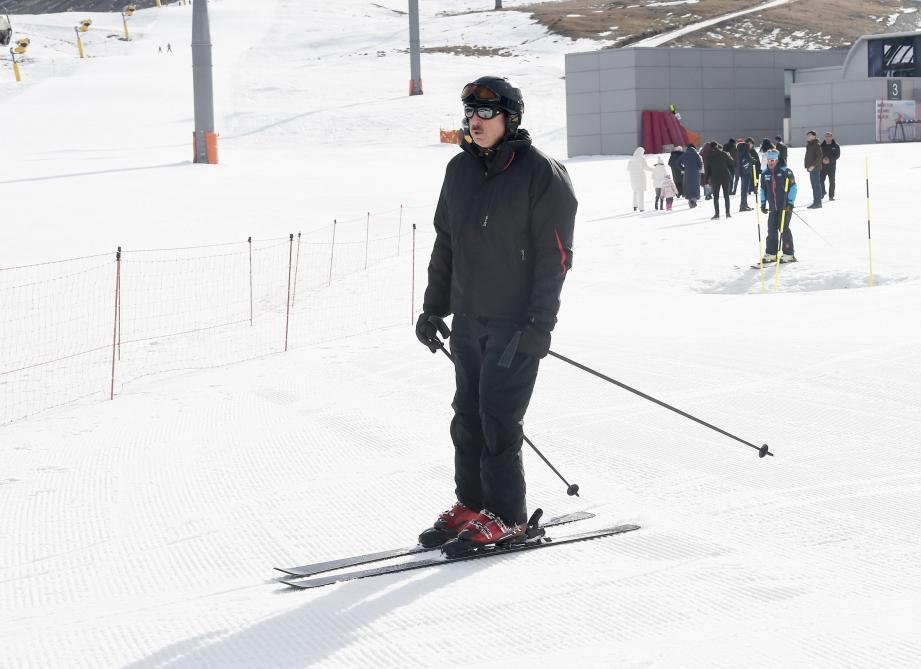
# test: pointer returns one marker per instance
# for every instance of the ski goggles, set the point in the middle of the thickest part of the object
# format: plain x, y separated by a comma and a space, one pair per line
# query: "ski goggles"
479, 92
483, 111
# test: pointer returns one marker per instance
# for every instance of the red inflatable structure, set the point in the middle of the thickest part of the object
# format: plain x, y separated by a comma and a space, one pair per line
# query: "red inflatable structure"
663, 128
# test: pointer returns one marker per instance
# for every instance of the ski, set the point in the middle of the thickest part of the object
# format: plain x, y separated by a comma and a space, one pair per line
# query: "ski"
356, 560
544, 542
769, 264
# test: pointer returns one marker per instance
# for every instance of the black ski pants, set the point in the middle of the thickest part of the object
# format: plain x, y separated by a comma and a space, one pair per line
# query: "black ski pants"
828, 171
717, 185
489, 406
774, 223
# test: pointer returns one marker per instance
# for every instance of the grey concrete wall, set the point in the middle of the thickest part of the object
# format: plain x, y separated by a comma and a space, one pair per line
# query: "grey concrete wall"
855, 67
819, 74
845, 107
720, 93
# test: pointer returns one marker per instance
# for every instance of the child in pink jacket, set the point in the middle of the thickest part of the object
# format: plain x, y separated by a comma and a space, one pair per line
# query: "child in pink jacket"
669, 192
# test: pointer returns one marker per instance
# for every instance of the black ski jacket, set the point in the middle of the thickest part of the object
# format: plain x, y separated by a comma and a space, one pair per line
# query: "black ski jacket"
503, 235
831, 151
718, 167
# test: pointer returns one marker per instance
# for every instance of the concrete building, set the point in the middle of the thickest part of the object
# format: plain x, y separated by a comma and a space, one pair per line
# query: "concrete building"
843, 98
720, 93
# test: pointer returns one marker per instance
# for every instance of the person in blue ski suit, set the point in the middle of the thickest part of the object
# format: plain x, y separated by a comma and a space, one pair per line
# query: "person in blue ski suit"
778, 192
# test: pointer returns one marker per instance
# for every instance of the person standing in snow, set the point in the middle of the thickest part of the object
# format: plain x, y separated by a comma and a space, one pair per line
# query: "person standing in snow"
749, 164
781, 149
766, 145
830, 154
503, 246
717, 170
637, 168
659, 172
668, 191
732, 149
813, 164
674, 162
704, 180
778, 192
692, 165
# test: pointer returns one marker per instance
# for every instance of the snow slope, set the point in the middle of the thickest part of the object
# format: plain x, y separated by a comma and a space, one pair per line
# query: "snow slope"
141, 532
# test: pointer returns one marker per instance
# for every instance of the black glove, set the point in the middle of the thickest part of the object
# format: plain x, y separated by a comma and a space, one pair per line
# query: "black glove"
763, 208
533, 340
428, 327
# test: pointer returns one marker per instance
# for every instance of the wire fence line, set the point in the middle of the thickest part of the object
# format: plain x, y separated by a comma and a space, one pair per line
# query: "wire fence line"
83, 328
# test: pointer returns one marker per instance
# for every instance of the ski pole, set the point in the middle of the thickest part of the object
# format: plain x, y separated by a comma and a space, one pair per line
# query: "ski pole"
783, 220
757, 183
571, 488
795, 213
762, 450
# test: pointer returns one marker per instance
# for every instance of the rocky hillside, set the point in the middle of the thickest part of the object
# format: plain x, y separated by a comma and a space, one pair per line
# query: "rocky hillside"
804, 24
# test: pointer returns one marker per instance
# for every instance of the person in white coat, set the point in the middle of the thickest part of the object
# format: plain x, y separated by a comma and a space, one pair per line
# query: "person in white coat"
637, 169
659, 172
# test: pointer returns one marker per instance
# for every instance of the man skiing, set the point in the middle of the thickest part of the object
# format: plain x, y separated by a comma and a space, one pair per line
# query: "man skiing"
504, 228
778, 192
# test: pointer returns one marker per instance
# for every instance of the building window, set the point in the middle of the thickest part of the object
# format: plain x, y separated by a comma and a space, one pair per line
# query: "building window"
892, 57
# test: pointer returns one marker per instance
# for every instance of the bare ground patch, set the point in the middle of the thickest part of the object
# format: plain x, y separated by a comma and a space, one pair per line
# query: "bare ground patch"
801, 24
466, 50
813, 24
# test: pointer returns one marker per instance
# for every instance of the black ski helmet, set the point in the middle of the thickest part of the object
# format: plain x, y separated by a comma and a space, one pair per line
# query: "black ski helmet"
500, 92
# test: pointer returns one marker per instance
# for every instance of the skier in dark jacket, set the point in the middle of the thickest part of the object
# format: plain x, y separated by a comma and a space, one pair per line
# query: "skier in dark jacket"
691, 165
503, 245
778, 192
831, 151
717, 170
674, 162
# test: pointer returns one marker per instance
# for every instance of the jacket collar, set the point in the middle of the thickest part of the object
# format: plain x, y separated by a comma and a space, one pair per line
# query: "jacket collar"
501, 157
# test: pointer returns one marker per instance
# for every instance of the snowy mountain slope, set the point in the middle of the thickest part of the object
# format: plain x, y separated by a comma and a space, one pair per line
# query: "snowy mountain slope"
141, 532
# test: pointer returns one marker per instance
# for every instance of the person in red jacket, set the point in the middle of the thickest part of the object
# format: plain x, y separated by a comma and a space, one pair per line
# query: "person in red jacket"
503, 246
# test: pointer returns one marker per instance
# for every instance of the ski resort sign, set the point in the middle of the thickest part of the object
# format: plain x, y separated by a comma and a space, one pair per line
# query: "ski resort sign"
897, 121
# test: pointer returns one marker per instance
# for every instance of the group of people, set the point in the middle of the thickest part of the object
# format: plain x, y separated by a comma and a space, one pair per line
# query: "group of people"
723, 170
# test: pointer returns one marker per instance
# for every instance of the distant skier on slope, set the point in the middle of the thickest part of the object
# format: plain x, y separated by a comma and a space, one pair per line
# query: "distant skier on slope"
637, 168
503, 245
778, 191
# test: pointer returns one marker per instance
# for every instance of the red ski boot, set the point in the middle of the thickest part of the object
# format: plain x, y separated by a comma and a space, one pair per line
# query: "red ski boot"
486, 529
448, 524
